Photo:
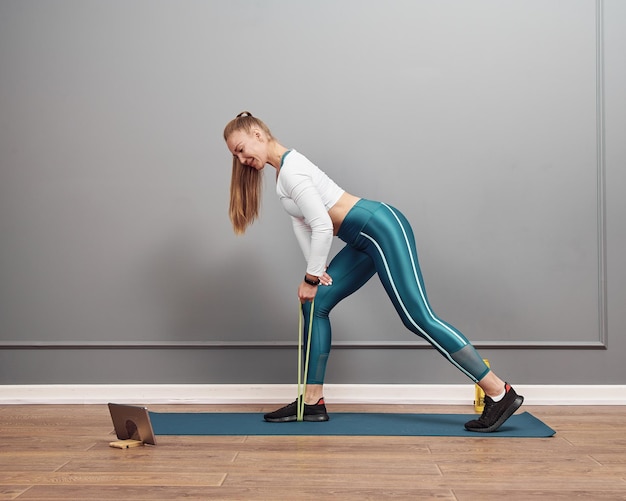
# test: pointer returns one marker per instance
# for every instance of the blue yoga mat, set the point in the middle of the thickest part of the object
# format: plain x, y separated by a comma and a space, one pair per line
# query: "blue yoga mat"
343, 423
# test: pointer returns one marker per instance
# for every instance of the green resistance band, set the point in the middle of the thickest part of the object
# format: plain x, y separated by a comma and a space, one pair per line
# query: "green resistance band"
301, 384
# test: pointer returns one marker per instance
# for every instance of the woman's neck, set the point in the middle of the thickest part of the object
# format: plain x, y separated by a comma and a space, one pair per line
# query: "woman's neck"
276, 152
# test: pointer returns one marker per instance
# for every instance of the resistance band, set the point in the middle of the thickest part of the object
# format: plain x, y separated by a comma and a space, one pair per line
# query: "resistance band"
302, 385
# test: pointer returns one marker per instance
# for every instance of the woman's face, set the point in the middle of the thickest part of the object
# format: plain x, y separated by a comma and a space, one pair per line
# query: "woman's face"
250, 148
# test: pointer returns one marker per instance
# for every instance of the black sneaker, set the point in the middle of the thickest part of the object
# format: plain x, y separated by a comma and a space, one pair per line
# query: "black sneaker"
496, 413
316, 412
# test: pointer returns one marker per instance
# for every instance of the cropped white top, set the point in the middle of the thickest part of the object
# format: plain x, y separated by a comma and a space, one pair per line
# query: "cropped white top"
307, 194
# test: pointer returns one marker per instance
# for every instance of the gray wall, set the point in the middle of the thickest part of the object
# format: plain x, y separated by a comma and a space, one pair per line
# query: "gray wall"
497, 127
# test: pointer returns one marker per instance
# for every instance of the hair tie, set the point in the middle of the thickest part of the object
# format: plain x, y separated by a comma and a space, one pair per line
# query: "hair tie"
244, 114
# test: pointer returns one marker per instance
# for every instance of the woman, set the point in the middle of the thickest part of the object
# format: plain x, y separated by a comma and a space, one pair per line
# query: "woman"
378, 239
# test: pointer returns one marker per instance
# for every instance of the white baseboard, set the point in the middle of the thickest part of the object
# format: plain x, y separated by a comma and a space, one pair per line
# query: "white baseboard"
453, 394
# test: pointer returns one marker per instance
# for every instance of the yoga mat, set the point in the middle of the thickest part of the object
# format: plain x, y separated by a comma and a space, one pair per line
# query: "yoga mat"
343, 423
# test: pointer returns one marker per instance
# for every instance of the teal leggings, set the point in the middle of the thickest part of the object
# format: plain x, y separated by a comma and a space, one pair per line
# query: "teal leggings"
380, 240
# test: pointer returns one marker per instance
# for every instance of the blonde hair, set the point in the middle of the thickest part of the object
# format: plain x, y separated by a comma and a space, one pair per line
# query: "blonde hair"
246, 183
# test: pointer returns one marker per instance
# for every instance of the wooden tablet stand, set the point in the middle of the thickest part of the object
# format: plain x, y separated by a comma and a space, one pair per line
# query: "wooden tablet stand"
125, 444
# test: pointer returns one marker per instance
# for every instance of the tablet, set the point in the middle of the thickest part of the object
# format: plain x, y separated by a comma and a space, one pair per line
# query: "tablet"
132, 422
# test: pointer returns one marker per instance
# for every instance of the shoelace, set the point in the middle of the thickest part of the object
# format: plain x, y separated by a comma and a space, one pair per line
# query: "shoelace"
489, 406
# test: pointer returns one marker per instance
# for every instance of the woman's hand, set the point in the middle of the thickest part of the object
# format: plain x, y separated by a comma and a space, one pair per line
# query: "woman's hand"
326, 279
307, 292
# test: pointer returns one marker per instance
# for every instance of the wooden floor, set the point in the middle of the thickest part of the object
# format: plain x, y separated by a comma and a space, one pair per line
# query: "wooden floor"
62, 452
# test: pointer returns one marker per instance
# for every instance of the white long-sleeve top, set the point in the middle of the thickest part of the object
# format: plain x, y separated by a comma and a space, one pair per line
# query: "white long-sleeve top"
307, 194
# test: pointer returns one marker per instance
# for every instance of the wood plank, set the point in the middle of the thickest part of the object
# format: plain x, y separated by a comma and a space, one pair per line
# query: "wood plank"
487, 494
140, 464
172, 478
157, 493
12, 491
297, 479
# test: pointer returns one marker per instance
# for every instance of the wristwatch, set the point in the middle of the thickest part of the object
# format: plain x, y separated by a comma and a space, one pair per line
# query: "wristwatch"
311, 282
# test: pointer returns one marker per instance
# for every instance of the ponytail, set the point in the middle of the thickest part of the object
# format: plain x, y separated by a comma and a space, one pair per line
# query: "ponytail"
246, 183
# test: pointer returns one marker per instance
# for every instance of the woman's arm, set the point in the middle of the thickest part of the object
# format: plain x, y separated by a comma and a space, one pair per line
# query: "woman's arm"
303, 235
318, 223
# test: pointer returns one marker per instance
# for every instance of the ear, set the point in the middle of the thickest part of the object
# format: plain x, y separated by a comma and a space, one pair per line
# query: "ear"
258, 135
